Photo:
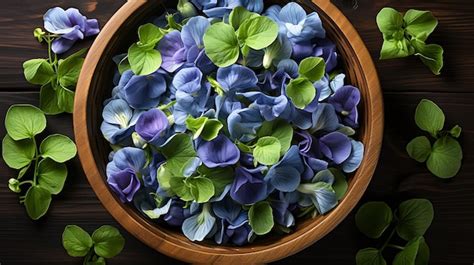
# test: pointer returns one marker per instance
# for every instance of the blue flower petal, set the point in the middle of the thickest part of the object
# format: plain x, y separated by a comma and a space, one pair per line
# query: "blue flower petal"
193, 32
286, 175
198, 226
243, 124
354, 160
236, 78
188, 80
324, 119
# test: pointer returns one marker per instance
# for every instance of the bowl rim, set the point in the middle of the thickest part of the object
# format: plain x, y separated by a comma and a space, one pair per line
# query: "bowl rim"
185, 250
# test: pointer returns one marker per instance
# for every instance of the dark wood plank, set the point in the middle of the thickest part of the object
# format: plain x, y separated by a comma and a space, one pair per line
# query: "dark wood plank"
397, 178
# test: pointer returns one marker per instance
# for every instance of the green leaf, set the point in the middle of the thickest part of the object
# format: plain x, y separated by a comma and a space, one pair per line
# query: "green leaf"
340, 183
455, 131
239, 15
408, 255
258, 32
301, 92
415, 217
370, 256
51, 175
37, 202
445, 158
267, 150
108, 242
69, 71
144, 61
389, 21
76, 241
220, 177
124, 65
58, 147
419, 148
373, 218
279, 129
312, 68
186, 9
431, 55
221, 44
65, 99
24, 121
96, 261
429, 117
164, 177
202, 189
261, 218
178, 151
423, 257
203, 127
149, 35
179, 186
49, 100
38, 71
18, 154
392, 49
420, 24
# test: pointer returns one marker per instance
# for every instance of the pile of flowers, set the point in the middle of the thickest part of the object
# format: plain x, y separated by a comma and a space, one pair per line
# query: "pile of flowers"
233, 123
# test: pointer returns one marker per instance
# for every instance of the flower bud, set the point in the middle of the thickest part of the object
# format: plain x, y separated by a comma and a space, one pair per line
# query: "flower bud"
39, 34
186, 9
14, 185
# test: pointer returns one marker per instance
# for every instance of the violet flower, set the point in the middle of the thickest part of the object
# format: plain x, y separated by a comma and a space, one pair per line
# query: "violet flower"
151, 125
172, 51
310, 152
286, 175
345, 101
119, 120
220, 152
335, 146
70, 25
249, 186
142, 92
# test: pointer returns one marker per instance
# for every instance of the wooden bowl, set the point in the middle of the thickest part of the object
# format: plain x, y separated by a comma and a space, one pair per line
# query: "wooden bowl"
95, 85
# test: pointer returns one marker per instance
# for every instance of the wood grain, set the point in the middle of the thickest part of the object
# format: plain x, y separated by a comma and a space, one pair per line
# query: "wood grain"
397, 177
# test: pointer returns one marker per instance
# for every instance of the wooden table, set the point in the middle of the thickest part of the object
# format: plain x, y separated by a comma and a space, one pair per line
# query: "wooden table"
404, 82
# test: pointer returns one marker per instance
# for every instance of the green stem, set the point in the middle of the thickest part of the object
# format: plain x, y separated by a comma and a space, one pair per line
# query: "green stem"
388, 240
35, 171
26, 182
395, 246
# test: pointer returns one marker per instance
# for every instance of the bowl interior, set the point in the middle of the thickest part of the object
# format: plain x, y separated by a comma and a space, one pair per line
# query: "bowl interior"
100, 89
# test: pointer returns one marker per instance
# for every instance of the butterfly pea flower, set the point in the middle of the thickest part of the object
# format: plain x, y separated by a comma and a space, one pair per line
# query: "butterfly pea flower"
192, 36
149, 175
244, 123
173, 52
286, 70
188, 80
281, 213
295, 23
328, 87
286, 175
355, 159
151, 125
177, 213
70, 25
326, 49
236, 78
123, 172
142, 92
324, 119
249, 185
226, 104
270, 107
320, 192
200, 225
231, 218
310, 152
336, 147
345, 101
220, 152
119, 120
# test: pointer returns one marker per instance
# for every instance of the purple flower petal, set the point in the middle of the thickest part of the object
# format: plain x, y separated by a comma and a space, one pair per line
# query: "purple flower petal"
220, 152
248, 186
336, 146
151, 125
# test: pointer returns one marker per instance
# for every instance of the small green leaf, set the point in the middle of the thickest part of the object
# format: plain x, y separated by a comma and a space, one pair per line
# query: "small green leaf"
179, 186
429, 117
261, 218
392, 49
456, 131
415, 217
65, 99
96, 261
373, 218
340, 183
267, 151
279, 129
258, 32
207, 129
423, 257
76, 241
301, 92
239, 15
38, 71
143, 60
51, 175
221, 44
186, 9
164, 176
220, 177
58, 147
431, 55
389, 21
108, 242
37, 202
445, 159
408, 255
18, 154
24, 121
178, 151
149, 35
202, 189
419, 148
370, 256
69, 71
313, 68
124, 65
49, 100
420, 24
